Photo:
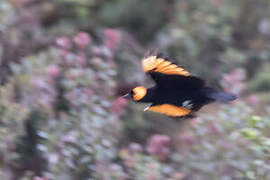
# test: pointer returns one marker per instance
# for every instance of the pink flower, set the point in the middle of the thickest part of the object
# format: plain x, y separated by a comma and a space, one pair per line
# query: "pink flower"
158, 145
253, 100
112, 39
82, 39
88, 91
130, 162
150, 176
187, 137
177, 176
118, 105
63, 42
53, 71
96, 51
194, 122
233, 81
213, 128
81, 58
97, 60
40, 178
135, 147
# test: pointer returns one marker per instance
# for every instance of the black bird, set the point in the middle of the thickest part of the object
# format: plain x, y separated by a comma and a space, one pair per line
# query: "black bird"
177, 93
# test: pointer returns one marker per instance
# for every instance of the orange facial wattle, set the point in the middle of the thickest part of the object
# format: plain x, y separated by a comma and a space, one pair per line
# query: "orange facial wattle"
139, 93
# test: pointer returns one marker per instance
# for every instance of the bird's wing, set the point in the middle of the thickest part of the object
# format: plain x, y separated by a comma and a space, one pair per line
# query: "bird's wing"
169, 110
161, 65
167, 74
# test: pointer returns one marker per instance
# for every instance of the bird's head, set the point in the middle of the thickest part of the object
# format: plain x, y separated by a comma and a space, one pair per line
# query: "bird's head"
136, 94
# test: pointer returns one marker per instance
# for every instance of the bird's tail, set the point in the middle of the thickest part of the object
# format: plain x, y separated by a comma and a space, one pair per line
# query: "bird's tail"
218, 95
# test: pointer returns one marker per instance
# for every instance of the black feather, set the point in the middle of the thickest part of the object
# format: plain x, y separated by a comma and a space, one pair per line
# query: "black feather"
176, 81
218, 95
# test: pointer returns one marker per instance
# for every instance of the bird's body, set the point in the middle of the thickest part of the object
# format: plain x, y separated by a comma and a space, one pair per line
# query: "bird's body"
176, 93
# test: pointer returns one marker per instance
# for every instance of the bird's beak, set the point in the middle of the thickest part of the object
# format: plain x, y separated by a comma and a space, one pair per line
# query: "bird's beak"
127, 96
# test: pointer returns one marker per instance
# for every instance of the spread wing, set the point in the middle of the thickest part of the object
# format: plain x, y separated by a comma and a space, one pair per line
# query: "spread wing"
169, 110
166, 74
161, 65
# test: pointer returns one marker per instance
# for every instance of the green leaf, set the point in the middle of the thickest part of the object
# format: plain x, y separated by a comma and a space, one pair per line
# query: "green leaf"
250, 133
253, 121
250, 175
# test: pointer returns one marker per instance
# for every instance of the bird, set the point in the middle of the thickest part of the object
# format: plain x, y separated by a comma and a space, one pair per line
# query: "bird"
176, 93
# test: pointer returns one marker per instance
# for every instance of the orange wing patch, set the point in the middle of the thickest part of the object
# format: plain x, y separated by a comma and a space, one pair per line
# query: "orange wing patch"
169, 110
154, 64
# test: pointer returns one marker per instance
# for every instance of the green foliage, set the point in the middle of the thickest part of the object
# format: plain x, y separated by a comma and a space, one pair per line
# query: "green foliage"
260, 145
225, 34
6, 12
134, 15
12, 119
88, 122
260, 82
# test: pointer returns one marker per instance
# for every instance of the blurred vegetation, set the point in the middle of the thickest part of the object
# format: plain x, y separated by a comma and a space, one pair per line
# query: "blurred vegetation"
64, 64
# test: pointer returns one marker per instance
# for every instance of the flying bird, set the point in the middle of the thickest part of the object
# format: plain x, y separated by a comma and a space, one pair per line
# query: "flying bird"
176, 93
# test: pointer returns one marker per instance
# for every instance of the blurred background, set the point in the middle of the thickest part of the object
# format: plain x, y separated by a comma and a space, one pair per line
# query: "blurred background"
65, 63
